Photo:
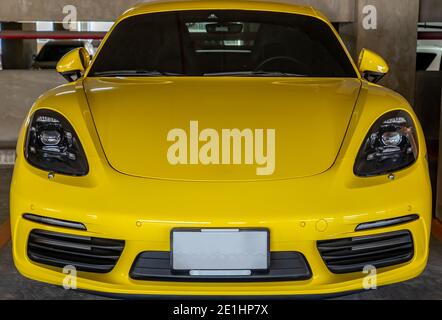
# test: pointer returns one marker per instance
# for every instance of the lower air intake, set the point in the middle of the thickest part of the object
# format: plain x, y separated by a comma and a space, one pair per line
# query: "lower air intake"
84, 253
284, 266
353, 254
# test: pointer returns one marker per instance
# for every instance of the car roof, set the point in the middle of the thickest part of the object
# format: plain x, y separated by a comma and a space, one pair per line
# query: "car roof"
258, 5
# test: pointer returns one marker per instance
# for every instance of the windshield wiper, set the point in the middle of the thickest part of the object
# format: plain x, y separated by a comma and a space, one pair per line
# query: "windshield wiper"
155, 73
257, 73
134, 73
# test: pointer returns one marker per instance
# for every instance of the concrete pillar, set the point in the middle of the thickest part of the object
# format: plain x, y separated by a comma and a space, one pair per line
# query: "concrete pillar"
395, 38
438, 209
431, 11
17, 53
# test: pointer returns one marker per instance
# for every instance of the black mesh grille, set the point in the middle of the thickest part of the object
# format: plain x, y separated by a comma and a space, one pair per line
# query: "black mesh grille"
85, 253
353, 254
284, 266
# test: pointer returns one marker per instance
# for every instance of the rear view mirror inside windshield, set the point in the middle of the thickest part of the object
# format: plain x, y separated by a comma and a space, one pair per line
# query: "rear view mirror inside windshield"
227, 28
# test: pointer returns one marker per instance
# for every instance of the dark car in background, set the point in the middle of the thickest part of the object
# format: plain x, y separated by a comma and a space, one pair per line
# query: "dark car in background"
53, 51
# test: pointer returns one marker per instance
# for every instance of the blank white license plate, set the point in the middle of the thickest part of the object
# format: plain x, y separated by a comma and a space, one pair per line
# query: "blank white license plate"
220, 249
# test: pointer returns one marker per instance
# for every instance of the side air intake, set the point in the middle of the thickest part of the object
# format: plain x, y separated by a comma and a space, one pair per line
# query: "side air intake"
353, 254
84, 253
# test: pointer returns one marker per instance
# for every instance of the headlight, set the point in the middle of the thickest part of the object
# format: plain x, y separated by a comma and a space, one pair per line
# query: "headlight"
52, 145
390, 145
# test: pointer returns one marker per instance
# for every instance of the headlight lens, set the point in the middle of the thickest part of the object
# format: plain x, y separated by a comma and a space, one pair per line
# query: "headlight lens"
390, 145
52, 145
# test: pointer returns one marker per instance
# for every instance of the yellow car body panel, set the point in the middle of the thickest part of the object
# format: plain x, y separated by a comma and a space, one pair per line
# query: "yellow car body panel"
276, 96
320, 199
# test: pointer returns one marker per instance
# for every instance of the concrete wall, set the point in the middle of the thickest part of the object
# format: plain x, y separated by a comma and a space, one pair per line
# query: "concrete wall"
109, 10
430, 11
427, 106
428, 102
18, 91
52, 10
438, 209
335, 10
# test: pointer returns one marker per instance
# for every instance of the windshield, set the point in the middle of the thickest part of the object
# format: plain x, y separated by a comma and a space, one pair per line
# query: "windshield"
222, 43
55, 52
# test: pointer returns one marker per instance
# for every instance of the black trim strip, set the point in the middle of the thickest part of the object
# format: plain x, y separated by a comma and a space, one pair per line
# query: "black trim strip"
54, 222
386, 223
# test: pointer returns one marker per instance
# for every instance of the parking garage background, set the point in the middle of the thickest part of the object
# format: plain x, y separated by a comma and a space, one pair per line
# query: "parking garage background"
401, 27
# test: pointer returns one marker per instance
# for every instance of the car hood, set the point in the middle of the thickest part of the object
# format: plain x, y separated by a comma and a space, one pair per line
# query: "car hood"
156, 127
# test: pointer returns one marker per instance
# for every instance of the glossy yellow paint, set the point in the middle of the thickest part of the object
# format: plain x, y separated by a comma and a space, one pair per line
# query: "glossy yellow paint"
77, 60
276, 96
370, 61
303, 203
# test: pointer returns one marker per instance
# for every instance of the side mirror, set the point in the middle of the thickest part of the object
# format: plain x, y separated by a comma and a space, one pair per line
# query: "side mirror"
74, 64
34, 57
372, 66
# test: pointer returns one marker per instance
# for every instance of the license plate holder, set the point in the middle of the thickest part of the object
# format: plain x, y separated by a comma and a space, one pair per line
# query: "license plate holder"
229, 250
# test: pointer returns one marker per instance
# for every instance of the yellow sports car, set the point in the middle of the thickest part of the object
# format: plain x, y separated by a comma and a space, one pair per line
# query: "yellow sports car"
221, 148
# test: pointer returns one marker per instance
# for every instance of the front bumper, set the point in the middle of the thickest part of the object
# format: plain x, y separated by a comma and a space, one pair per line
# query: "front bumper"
298, 213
